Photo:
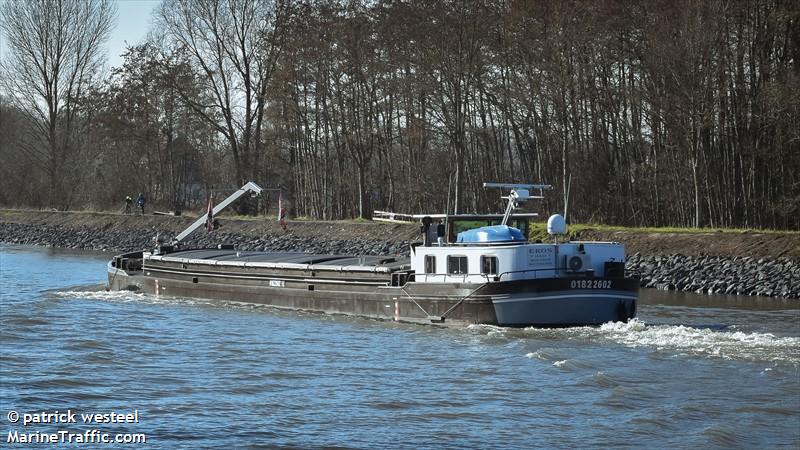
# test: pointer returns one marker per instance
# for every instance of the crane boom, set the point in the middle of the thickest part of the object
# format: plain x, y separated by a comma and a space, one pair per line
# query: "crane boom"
249, 187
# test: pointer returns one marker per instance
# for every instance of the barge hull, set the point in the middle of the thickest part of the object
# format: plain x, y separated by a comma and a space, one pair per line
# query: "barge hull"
404, 304
542, 303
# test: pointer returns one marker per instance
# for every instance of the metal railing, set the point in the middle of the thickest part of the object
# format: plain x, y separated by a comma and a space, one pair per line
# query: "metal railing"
553, 269
445, 276
499, 277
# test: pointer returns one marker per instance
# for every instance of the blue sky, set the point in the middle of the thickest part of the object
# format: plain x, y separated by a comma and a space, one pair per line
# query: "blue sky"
133, 23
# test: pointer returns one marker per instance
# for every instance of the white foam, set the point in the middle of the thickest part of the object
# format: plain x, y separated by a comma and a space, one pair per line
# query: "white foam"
703, 341
678, 339
126, 297
123, 296
544, 354
489, 330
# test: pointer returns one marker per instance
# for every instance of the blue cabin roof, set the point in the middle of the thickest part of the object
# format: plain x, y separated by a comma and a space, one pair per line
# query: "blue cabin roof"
494, 233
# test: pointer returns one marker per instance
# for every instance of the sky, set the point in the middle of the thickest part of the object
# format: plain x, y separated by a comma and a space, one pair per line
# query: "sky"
133, 23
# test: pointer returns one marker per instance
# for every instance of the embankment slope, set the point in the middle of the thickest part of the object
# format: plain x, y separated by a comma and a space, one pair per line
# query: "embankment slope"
753, 263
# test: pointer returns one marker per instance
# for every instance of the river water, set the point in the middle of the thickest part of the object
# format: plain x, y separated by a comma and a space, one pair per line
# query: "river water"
690, 371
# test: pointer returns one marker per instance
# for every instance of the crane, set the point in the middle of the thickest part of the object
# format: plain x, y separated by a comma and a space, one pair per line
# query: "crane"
250, 187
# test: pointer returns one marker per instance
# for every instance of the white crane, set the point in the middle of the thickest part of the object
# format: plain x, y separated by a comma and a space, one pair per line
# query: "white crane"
250, 187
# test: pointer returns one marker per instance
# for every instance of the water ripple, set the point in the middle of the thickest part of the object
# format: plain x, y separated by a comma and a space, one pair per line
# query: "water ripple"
207, 374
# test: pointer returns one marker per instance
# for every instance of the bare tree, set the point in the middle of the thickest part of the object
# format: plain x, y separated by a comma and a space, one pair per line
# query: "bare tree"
54, 49
666, 112
146, 138
233, 45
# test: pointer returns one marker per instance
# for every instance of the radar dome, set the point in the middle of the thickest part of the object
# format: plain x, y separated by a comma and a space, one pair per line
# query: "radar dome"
556, 224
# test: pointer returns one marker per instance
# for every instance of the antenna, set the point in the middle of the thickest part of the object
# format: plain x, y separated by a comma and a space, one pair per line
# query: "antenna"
519, 193
566, 197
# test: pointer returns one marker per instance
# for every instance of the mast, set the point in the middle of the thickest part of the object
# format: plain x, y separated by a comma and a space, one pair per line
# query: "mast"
519, 193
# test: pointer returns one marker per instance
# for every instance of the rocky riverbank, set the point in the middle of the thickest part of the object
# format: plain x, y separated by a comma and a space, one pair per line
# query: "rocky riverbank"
111, 240
712, 263
778, 277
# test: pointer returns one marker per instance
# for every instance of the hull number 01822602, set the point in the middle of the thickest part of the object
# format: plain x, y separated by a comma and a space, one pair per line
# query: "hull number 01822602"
590, 284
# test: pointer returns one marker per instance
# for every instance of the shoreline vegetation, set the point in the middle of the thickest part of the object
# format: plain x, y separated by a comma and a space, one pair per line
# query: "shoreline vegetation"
677, 113
711, 261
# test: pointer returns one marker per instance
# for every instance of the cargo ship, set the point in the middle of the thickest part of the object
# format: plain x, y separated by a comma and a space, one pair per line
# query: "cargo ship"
488, 274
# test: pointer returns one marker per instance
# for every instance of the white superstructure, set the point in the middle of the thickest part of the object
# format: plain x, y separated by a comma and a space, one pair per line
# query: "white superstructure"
480, 263
502, 253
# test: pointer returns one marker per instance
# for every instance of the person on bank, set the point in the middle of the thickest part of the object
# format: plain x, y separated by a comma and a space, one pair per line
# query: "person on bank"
140, 201
128, 203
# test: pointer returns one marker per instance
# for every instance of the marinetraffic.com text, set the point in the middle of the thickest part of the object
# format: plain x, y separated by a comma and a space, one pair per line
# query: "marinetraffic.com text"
47, 419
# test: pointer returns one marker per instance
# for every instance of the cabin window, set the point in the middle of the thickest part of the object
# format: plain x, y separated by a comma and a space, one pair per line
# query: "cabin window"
430, 264
457, 265
489, 265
